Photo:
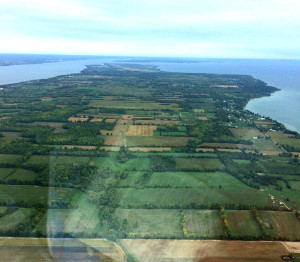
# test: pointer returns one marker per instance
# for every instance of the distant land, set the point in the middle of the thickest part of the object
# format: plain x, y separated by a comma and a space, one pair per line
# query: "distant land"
22, 59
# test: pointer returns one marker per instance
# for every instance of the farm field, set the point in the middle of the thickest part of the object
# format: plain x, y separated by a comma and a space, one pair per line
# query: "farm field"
9, 159
198, 163
194, 180
140, 130
266, 147
204, 223
12, 220
59, 249
205, 250
283, 224
4, 172
22, 175
177, 197
156, 141
160, 222
242, 223
285, 139
246, 132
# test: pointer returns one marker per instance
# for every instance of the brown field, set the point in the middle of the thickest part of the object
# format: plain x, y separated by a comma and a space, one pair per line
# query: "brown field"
110, 120
110, 148
229, 150
205, 250
109, 133
202, 118
125, 122
140, 130
114, 141
42, 249
5, 117
127, 116
60, 106
76, 119
81, 147
228, 145
12, 134
158, 141
149, 149
157, 122
120, 128
205, 150
263, 123
96, 120
246, 132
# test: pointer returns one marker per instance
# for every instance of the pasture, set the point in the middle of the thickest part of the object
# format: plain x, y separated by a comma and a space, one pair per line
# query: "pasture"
204, 223
285, 139
159, 222
4, 172
9, 159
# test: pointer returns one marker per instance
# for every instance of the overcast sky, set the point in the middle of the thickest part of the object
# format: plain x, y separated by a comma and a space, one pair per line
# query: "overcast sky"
187, 28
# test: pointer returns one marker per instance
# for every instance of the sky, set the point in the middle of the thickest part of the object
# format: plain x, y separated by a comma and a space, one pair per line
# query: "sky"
168, 28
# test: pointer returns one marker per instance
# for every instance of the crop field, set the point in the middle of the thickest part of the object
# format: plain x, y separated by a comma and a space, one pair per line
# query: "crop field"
113, 164
204, 222
266, 147
132, 179
9, 159
181, 197
242, 223
140, 130
157, 141
12, 134
133, 104
77, 119
71, 221
114, 141
246, 132
279, 167
59, 249
228, 145
97, 119
11, 221
149, 149
4, 172
157, 122
295, 185
285, 139
39, 159
152, 221
148, 250
22, 175
199, 164
30, 194
194, 180
283, 224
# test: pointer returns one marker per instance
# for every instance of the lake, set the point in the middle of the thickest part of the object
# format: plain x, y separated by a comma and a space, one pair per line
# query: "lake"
283, 106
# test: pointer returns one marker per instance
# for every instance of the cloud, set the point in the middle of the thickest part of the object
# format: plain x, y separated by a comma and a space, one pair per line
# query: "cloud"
231, 28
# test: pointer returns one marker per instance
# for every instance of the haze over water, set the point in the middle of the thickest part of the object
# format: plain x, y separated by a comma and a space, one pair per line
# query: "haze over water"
283, 106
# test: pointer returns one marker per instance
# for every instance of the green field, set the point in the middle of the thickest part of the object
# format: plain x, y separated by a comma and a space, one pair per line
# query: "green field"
39, 159
282, 224
34, 194
155, 222
113, 164
4, 172
242, 223
9, 159
64, 160
177, 197
133, 178
11, 221
198, 164
204, 223
22, 175
156, 141
194, 180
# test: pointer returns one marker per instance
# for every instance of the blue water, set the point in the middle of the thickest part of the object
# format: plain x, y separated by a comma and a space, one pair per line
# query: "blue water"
283, 106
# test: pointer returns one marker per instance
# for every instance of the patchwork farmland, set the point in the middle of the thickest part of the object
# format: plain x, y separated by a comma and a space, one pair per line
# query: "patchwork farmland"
130, 152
